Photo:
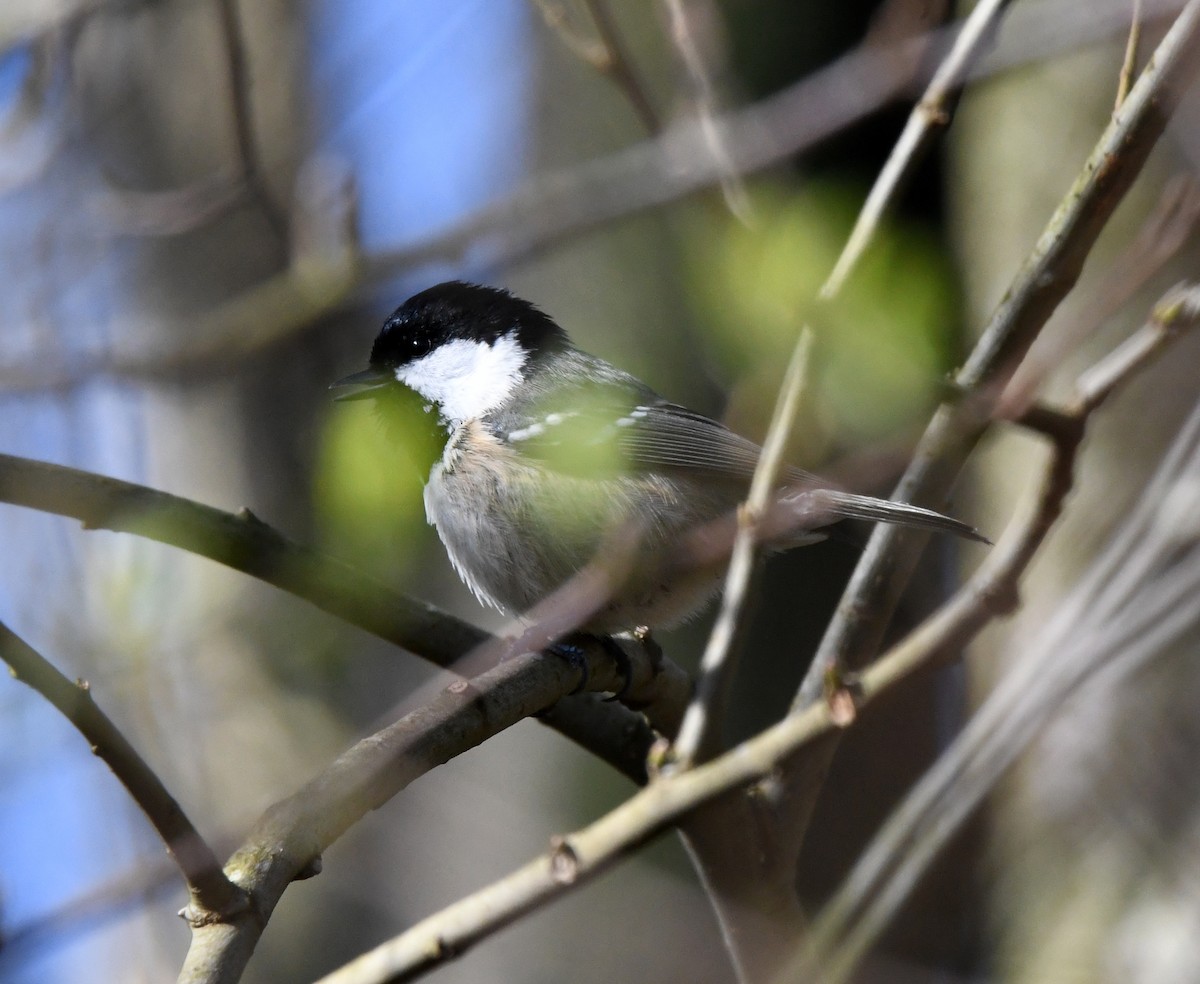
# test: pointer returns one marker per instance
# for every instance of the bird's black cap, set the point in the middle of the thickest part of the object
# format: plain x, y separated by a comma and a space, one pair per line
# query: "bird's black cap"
454, 310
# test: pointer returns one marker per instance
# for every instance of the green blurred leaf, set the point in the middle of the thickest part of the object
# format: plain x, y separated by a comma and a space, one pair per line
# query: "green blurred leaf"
372, 463
883, 346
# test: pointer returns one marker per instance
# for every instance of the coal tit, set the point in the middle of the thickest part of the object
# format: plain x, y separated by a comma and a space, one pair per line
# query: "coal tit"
550, 451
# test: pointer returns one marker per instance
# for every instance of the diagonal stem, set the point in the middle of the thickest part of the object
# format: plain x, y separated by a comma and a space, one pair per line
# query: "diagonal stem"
201, 870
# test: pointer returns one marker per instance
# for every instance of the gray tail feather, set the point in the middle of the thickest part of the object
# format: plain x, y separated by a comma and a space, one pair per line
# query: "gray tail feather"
849, 505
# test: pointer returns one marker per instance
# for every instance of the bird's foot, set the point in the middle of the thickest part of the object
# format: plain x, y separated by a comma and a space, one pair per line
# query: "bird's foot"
573, 650
650, 647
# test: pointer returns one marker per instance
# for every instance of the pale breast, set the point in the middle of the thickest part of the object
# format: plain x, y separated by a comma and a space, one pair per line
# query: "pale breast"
515, 531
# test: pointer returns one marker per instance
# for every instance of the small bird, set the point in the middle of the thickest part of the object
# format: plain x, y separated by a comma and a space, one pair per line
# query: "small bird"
551, 452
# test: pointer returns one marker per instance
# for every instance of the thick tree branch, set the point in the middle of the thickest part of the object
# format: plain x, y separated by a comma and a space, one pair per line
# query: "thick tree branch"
287, 842
247, 544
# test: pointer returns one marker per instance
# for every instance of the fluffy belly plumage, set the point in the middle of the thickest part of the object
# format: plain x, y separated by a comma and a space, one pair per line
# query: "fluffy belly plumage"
515, 540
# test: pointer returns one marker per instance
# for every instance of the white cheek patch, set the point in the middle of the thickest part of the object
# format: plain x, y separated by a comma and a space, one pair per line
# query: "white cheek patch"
466, 378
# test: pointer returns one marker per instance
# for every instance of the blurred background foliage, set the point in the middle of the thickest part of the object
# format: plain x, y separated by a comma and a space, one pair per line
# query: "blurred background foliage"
882, 347
183, 189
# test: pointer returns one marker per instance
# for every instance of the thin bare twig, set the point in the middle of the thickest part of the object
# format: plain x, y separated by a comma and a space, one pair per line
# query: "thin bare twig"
1046, 277
682, 30
200, 868
1032, 691
1166, 230
749, 880
141, 884
619, 66
699, 735
242, 111
605, 53
928, 118
1129, 63
1177, 312
977, 29
585, 47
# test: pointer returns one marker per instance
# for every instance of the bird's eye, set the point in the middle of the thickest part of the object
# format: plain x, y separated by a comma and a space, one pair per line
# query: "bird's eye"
418, 346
